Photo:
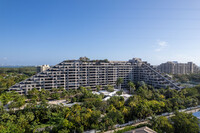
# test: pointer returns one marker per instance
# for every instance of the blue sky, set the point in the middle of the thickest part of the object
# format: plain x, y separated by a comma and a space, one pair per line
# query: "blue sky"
34, 32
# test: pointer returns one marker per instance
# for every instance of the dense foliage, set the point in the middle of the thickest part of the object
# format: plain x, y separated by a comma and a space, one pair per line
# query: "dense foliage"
180, 123
34, 113
184, 78
93, 112
11, 76
21, 70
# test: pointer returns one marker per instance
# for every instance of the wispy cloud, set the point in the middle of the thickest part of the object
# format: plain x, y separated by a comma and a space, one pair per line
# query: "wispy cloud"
161, 45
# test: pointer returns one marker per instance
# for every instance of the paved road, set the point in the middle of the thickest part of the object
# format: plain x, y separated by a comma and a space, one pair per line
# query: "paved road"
112, 131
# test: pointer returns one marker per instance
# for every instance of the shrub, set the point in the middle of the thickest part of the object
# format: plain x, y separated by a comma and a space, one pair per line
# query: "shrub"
119, 93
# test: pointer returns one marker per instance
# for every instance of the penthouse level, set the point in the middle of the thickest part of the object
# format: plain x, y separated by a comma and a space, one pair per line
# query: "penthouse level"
71, 74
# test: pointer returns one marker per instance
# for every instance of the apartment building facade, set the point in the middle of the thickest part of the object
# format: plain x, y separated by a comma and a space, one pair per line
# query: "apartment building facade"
178, 68
42, 68
71, 74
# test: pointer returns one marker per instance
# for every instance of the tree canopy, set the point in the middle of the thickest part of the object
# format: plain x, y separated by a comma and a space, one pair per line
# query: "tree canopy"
33, 113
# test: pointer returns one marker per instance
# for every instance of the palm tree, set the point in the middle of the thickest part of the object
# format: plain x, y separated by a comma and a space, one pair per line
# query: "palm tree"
119, 82
131, 85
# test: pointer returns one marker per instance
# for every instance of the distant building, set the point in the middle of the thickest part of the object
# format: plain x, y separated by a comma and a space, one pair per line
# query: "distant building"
173, 67
42, 68
71, 74
142, 130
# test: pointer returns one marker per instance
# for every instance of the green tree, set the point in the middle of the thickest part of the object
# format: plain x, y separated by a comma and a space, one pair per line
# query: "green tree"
116, 116
55, 96
185, 123
98, 87
106, 123
119, 92
131, 85
144, 92
119, 82
143, 109
161, 125
109, 88
64, 126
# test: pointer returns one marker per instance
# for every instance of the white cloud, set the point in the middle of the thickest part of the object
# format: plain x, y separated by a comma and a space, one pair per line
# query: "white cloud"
161, 45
